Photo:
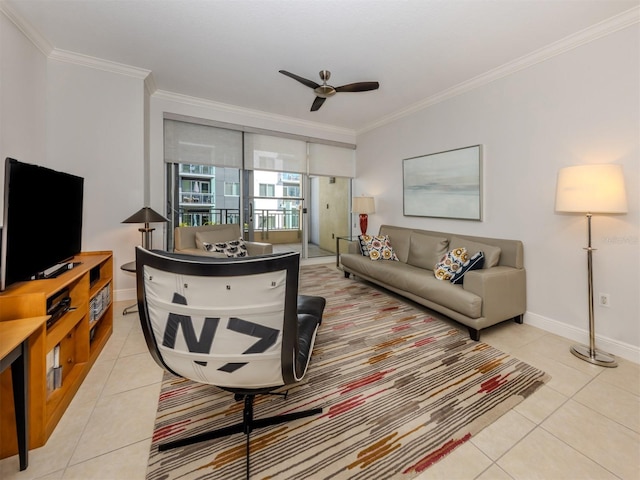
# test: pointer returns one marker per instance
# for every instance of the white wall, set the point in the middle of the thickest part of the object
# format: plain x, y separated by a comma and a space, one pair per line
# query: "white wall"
22, 99
95, 129
575, 108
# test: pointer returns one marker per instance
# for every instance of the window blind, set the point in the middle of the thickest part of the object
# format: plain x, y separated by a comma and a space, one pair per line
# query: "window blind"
186, 142
332, 161
266, 152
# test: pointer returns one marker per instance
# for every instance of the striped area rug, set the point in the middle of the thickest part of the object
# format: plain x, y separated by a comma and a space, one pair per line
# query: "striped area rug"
399, 389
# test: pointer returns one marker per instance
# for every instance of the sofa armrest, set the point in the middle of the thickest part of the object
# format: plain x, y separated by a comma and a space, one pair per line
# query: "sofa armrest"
258, 248
503, 291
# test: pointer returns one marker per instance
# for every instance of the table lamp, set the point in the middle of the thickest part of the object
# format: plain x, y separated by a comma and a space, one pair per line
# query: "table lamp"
146, 215
590, 189
363, 206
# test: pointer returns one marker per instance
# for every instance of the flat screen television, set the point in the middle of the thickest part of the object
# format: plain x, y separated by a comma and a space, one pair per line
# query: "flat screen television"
42, 222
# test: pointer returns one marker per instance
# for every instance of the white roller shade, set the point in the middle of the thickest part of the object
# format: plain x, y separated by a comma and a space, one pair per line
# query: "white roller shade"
328, 160
201, 144
265, 152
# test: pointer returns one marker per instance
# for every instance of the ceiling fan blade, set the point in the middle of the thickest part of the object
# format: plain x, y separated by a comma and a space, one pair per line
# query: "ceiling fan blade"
317, 103
358, 87
304, 81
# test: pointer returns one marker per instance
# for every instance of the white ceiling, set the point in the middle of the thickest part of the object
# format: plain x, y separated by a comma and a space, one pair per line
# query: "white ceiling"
230, 51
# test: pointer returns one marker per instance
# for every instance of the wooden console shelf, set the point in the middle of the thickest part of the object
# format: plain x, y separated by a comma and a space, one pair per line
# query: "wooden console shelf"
77, 338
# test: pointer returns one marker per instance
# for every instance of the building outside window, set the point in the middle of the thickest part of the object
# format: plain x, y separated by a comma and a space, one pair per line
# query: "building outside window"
267, 190
232, 189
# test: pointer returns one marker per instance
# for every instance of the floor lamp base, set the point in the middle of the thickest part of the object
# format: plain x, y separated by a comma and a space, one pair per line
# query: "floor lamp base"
597, 358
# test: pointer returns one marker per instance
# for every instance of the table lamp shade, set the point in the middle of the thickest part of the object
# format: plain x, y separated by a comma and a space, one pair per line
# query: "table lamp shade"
591, 189
145, 215
363, 205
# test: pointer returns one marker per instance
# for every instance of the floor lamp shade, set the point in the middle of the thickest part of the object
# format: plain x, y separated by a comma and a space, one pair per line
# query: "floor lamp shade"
363, 206
591, 189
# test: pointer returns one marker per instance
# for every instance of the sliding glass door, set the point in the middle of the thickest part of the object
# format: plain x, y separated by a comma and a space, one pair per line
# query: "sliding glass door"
279, 189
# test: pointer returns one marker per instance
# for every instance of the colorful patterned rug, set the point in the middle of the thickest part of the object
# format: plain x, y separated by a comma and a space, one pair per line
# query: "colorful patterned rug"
399, 389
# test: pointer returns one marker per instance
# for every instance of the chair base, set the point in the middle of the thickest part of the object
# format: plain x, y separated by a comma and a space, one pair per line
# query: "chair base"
246, 426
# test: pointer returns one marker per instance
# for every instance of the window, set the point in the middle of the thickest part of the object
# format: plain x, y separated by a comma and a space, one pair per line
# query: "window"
267, 190
232, 189
291, 191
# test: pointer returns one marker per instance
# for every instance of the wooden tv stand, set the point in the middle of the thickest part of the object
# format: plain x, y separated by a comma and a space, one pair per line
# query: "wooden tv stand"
77, 336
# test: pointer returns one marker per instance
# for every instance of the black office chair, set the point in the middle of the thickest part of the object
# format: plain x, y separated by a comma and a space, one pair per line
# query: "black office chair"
238, 324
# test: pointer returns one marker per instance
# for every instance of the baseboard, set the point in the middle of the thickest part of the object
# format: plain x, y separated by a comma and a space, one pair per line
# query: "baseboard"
127, 294
615, 347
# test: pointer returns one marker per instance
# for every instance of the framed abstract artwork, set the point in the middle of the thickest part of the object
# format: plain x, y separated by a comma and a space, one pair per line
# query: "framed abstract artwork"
444, 184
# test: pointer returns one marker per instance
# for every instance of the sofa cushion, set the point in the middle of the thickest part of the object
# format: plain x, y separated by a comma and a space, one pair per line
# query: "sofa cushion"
219, 235
425, 250
423, 284
450, 263
491, 253
400, 239
233, 248
473, 263
379, 248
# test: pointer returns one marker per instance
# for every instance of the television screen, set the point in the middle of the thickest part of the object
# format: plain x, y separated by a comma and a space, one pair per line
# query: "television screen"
42, 221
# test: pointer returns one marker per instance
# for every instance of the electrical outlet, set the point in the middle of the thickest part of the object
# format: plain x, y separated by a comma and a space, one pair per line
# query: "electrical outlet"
604, 300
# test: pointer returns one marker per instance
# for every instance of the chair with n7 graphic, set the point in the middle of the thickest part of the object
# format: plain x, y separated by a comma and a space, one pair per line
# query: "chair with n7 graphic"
236, 323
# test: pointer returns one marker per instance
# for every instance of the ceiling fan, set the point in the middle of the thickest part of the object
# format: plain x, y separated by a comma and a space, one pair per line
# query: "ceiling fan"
325, 91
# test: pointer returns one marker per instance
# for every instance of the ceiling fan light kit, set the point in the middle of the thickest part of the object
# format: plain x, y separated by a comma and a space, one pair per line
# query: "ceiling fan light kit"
325, 91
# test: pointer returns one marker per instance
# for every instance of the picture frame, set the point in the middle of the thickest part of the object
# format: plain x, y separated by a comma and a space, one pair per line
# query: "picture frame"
444, 185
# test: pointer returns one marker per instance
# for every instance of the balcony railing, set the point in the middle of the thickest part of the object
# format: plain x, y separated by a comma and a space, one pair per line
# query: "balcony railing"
189, 169
264, 220
197, 198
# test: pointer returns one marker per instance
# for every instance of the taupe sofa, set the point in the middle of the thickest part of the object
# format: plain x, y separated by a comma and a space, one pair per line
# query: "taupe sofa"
495, 293
191, 239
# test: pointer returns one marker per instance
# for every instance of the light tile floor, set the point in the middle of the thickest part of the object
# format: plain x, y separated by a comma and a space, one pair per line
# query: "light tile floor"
583, 424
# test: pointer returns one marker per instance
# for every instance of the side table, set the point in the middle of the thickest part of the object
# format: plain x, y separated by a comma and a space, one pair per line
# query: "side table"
130, 267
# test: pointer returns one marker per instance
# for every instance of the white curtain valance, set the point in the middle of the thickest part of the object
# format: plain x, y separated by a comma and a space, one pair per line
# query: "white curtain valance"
201, 144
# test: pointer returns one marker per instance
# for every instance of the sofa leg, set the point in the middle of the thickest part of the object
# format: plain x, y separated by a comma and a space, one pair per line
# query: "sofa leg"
474, 334
346, 274
519, 319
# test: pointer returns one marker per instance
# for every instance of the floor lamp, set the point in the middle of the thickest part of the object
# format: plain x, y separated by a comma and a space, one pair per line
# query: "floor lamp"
363, 206
590, 189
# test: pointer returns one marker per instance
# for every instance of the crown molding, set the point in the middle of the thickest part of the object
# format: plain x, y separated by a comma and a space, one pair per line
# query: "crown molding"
594, 32
98, 63
247, 112
150, 84
40, 42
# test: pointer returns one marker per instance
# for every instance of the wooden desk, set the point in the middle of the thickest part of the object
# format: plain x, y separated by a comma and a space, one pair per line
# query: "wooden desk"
14, 352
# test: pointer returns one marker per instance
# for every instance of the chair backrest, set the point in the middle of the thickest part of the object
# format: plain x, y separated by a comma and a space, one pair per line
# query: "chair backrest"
227, 322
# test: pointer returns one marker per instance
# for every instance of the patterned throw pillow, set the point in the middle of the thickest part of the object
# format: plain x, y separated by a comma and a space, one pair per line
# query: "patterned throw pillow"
232, 248
452, 261
379, 248
476, 262
364, 240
